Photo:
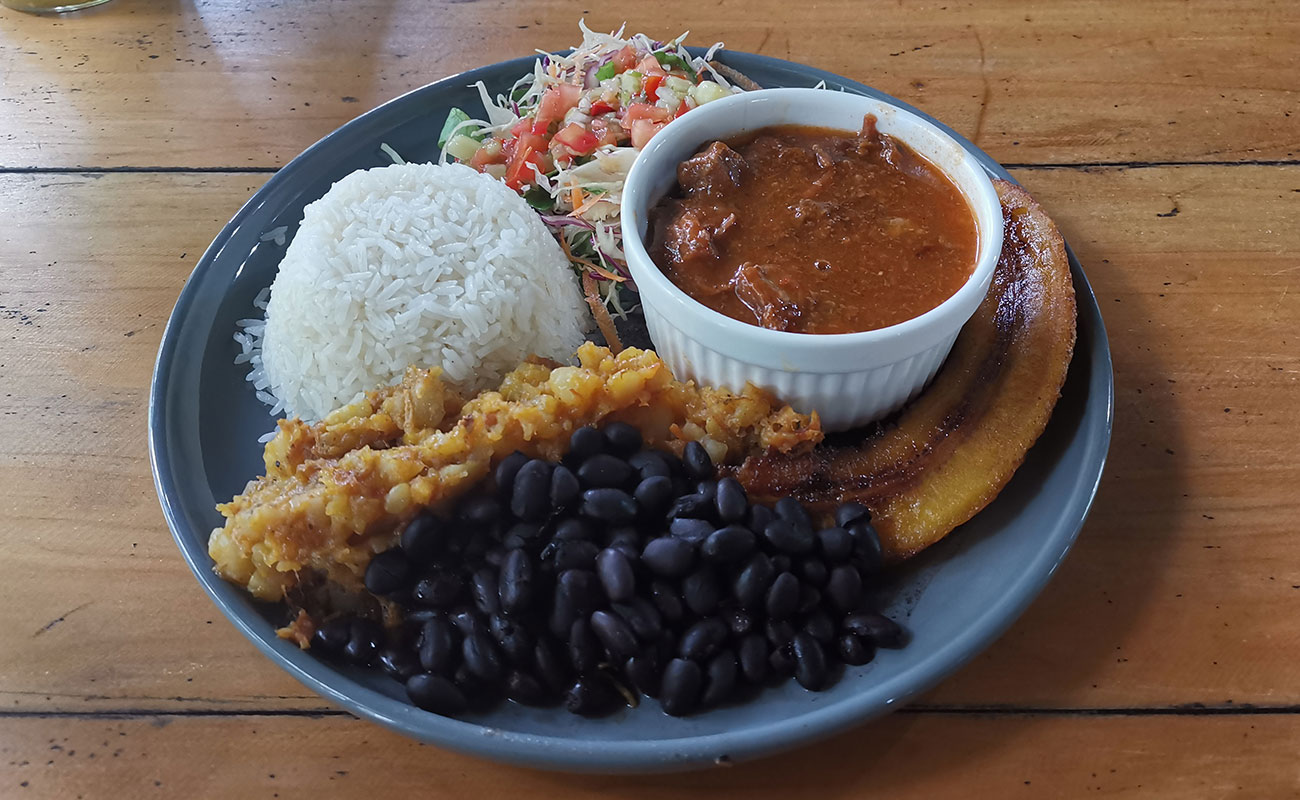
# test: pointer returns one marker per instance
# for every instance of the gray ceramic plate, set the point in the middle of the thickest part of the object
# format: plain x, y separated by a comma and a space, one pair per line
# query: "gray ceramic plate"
956, 599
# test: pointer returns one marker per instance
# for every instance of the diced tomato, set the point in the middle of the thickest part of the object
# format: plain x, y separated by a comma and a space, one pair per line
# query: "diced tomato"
643, 130
650, 66
651, 84
555, 102
640, 111
608, 131
625, 59
576, 139
484, 156
682, 109
528, 149
600, 107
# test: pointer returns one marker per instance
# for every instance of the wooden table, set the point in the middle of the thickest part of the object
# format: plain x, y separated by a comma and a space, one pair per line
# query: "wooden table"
1163, 660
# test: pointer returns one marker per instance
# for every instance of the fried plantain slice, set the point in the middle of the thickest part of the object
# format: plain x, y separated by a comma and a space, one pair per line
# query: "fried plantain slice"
946, 455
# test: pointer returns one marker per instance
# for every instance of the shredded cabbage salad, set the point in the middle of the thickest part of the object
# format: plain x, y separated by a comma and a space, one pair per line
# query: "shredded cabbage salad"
565, 135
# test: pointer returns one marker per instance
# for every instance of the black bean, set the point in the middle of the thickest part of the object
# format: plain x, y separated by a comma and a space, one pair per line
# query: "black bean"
854, 650
615, 635
574, 529
694, 531
788, 537
702, 640
628, 542
820, 626
481, 512
813, 571
551, 666
563, 611
668, 556
622, 438
728, 544
851, 512
781, 661
467, 620
584, 648
809, 662
591, 696
526, 690
679, 692
752, 654
398, 663
612, 506
792, 511
809, 598
759, 517
583, 590
650, 464
702, 592
416, 617
485, 588
422, 538
585, 443
505, 473
364, 638
643, 674
739, 621
529, 532
845, 587
732, 502
481, 656
782, 563
516, 583
530, 499
666, 600
435, 693
440, 589
615, 573
605, 471
332, 636
565, 488
699, 467
719, 679
876, 628
436, 646
496, 556
693, 506
751, 584
646, 621
866, 547
572, 554
514, 638
655, 495
836, 544
779, 632
388, 572
473, 687
783, 596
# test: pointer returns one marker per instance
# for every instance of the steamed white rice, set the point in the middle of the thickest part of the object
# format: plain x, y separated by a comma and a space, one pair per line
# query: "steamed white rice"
412, 264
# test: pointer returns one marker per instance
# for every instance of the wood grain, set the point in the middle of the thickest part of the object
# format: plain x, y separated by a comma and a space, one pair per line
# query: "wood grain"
213, 84
905, 756
1182, 588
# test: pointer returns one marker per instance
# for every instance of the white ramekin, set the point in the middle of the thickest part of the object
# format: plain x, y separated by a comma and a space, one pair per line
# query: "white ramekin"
849, 379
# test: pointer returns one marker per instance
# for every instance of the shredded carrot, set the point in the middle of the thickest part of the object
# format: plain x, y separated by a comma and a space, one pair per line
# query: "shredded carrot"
576, 198
590, 265
598, 310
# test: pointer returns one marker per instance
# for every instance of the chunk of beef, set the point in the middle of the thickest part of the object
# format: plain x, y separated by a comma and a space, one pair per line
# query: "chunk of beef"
771, 304
690, 231
714, 171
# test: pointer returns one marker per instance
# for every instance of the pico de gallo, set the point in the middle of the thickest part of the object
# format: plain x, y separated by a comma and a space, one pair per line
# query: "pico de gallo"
565, 136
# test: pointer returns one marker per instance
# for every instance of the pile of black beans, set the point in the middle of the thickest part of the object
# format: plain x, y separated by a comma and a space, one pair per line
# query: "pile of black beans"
622, 571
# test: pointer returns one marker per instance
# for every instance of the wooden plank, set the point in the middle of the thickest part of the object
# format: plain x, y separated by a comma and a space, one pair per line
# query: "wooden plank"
905, 756
228, 84
1182, 588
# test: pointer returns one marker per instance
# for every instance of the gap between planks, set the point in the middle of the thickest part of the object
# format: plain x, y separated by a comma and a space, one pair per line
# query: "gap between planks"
1078, 165
1185, 710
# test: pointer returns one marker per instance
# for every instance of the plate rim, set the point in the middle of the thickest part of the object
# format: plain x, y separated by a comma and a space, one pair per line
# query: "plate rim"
622, 755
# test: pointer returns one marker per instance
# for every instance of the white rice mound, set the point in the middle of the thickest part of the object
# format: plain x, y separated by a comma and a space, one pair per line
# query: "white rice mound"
413, 264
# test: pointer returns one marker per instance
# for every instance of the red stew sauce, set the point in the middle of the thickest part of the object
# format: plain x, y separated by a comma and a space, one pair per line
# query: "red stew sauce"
814, 230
